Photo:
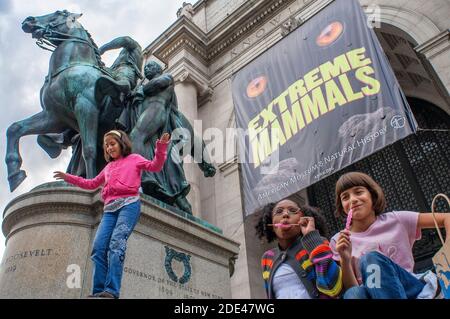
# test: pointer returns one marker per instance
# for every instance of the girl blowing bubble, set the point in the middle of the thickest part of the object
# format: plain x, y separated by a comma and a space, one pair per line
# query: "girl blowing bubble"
375, 253
301, 266
121, 179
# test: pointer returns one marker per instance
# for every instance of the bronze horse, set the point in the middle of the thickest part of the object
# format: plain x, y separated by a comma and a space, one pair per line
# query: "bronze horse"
70, 97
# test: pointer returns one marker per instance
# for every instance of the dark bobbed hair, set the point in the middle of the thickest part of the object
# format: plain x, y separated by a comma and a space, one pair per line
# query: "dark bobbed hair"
353, 179
263, 231
124, 143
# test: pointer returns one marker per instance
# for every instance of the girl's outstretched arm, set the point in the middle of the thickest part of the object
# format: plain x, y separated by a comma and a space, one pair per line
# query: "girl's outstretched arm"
157, 163
80, 181
426, 221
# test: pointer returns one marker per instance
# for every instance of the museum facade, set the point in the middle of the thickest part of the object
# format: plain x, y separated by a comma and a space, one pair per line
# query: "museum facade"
213, 39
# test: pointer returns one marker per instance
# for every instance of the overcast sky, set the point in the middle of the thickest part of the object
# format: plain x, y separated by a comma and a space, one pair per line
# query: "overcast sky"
24, 66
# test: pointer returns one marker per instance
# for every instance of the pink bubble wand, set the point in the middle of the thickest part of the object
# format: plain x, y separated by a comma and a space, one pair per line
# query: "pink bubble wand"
349, 219
281, 225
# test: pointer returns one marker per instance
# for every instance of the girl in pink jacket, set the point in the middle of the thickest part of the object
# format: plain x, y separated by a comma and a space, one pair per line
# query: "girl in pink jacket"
121, 179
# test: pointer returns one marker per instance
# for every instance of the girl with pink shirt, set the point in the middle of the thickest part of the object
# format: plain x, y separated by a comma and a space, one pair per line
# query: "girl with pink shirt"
121, 179
375, 253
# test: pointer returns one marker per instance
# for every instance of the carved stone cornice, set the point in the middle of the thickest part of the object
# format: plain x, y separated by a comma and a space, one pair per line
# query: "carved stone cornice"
436, 45
290, 25
241, 23
182, 34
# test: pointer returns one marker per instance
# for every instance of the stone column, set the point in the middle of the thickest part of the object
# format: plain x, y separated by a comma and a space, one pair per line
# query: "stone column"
437, 51
186, 92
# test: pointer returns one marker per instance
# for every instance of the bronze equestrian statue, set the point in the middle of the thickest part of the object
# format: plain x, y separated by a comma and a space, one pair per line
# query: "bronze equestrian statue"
70, 98
81, 99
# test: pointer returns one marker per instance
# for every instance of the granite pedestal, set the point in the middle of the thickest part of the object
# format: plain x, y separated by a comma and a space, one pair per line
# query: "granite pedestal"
49, 234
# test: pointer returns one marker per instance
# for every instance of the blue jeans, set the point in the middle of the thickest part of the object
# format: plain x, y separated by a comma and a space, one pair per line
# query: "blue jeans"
110, 243
393, 282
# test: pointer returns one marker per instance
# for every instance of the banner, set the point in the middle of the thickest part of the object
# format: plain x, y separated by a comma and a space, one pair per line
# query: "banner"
322, 98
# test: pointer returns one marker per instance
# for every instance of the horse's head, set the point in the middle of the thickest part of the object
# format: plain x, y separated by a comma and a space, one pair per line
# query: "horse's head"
44, 26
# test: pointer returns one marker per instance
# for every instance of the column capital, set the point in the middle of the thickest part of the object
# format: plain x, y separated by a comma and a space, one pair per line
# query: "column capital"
186, 73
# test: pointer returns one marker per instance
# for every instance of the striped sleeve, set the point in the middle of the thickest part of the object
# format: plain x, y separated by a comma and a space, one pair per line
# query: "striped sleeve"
266, 265
328, 272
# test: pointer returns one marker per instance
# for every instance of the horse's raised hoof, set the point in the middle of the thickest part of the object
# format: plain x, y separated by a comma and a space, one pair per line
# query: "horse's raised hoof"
16, 179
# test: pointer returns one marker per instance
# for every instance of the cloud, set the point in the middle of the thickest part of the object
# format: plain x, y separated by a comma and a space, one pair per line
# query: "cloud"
24, 67
5, 6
